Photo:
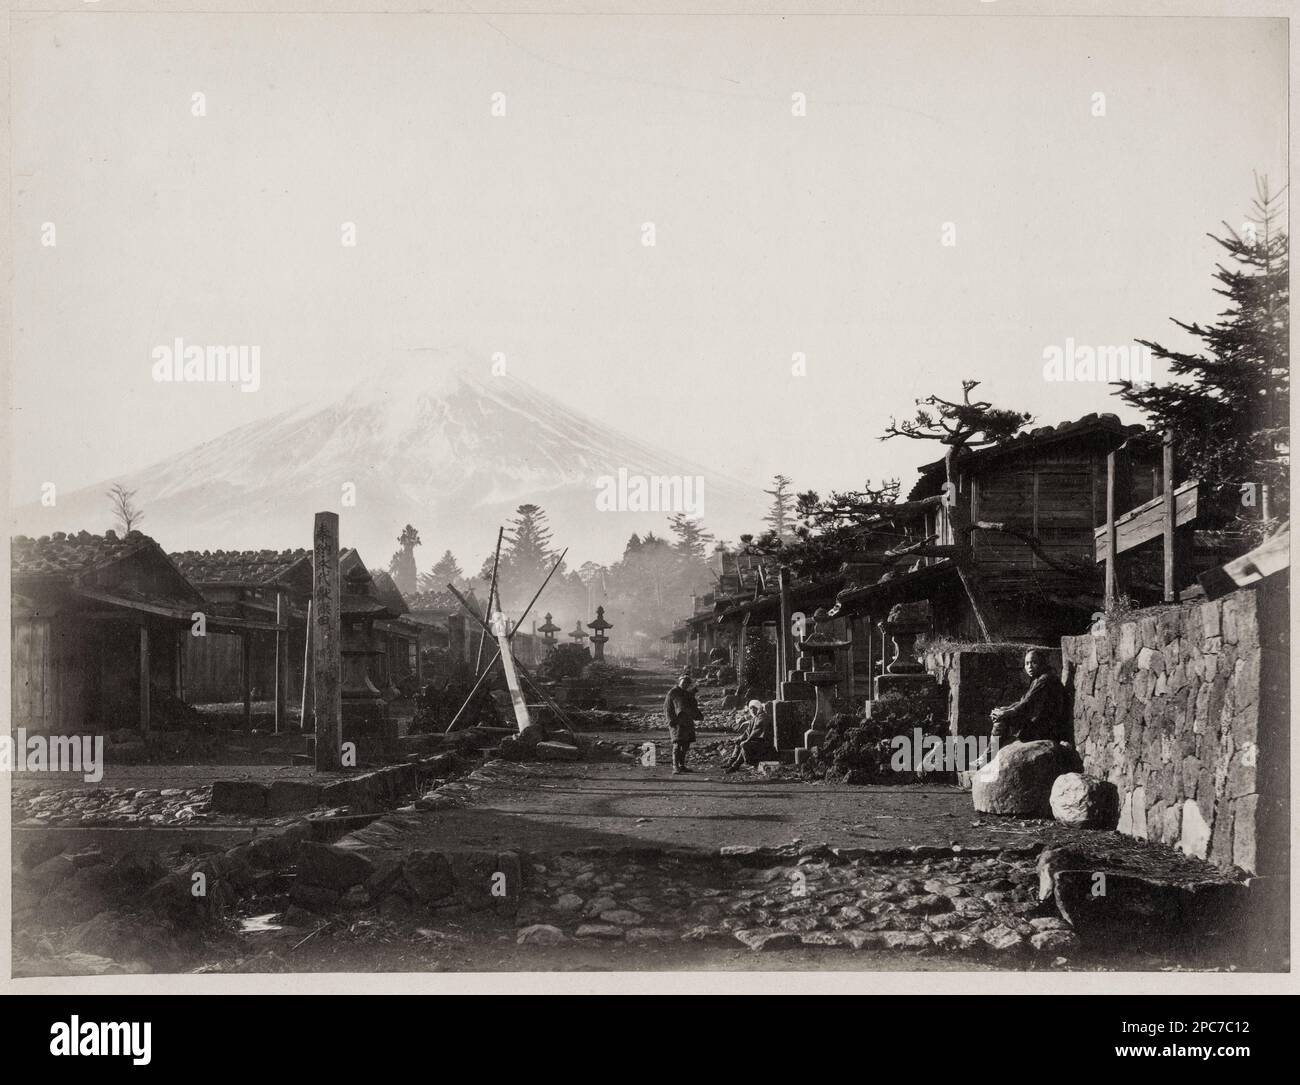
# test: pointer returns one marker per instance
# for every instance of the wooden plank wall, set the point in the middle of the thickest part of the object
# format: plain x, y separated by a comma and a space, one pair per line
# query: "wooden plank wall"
1053, 496
48, 687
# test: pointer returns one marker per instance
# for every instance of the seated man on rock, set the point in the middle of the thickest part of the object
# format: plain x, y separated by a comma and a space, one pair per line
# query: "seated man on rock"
1039, 714
755, 743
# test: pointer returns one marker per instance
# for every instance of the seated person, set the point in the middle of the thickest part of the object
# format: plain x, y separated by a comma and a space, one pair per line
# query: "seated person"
1039, 714
755, 743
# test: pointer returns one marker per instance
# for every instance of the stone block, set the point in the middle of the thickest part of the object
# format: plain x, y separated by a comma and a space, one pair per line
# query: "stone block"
1084, 801
477, 880
1018, 780
1194, 838
239, 797
429, 876
557, 751
286, 796
331, 866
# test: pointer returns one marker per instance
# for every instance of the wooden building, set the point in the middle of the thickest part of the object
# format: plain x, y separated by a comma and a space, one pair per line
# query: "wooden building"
99, 626
400, 671
1035, 576
447, 644
254, 647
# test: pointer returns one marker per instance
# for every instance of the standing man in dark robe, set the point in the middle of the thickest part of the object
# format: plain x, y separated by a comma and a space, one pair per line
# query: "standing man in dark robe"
682, 711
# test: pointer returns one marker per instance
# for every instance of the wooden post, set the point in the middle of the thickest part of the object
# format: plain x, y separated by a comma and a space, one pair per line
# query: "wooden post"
281, 662
303, 712
785, 646
326, 657
1171, 522
144, 679
499, 630
1112, 538
741, 645
246, 675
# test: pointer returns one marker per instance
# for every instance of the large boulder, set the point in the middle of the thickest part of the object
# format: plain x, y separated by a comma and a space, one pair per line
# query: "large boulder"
1085, 802
1018, 781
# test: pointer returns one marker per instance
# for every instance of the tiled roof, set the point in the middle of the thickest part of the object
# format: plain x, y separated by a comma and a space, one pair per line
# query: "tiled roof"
67, 555
388, 593
441, 600
1089, 423
238, 566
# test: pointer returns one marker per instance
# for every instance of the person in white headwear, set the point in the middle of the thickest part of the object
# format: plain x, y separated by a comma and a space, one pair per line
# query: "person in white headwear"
755, 743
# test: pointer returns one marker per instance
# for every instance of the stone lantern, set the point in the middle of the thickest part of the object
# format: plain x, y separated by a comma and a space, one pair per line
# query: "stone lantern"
905, 674
598, 638
577, 634
361, 652
816, 668
548, 630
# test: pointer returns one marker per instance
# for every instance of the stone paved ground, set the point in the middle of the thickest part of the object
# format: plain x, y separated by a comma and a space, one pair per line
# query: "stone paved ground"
626, 866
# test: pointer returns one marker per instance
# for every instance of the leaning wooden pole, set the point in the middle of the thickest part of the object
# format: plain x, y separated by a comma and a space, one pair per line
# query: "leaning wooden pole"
305, 706
492, 590
558, 562
326, 657
472, 693
523, 671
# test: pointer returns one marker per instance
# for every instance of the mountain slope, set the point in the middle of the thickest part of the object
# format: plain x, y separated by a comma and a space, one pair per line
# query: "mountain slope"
433, 441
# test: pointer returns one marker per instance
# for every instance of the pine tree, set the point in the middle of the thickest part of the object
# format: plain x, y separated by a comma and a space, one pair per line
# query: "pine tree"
958, 426
526, 557
446, 570
402, 565
780, 518
691, 537
1229, 412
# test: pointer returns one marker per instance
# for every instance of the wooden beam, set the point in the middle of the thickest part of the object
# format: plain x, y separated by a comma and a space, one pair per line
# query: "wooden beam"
522, 719
1169, 509
304, 708
326, 630
281, 665
1147, 521
492, 590
1271, 556
785, 645
466, 703
145, 706
246, 677
975, 593
1112, 531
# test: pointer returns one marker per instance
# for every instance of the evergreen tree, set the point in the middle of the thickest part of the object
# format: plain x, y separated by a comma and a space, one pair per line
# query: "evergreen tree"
1229, 411
780, 518
402, 565
526, 558
691, 537
446, 570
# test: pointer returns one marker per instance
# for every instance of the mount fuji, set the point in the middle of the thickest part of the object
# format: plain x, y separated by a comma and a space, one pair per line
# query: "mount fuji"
432, 440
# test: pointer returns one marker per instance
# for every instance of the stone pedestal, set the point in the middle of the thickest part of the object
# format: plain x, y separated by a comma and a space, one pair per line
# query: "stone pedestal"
786, 724
815, 671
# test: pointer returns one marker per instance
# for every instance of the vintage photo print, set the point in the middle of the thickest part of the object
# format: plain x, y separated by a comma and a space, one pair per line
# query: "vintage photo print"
720, 495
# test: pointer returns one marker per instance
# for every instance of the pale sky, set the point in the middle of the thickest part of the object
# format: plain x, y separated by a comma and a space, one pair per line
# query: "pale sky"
775, 234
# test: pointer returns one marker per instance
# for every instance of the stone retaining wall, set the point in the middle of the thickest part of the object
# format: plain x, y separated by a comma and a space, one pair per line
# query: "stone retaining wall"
1167, 707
